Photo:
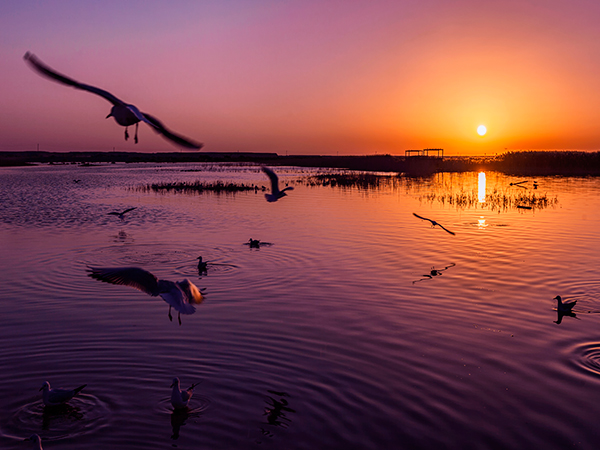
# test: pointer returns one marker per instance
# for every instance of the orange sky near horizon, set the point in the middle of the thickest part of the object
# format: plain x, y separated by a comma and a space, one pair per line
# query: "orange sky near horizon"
306, 77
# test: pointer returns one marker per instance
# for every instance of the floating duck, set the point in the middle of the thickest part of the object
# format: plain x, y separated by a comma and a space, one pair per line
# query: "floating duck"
55, 397
566, 306
179, 398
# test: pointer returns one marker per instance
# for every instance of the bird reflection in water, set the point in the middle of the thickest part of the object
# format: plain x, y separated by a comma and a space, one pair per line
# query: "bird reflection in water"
276, 409
178, 418
59, 414
433, 273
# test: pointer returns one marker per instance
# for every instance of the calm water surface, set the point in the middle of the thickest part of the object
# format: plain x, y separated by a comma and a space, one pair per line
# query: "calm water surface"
332, 337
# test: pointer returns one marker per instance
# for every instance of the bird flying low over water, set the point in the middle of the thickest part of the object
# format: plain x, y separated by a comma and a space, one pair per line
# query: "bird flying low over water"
181, 398
55, 397
434, 223
179, 295
123, 113
275, 194
122, 213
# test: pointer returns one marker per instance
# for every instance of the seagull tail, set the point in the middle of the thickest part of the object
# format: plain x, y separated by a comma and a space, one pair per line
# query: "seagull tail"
78, 390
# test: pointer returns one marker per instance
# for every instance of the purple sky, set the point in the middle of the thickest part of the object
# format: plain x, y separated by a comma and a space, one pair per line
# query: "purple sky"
306, 76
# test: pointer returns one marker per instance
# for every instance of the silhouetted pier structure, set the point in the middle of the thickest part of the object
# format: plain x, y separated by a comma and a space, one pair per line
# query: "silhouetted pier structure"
426, 152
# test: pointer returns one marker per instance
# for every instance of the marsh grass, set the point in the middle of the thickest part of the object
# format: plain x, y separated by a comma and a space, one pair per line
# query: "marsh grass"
497, 200
198, 187
350, 179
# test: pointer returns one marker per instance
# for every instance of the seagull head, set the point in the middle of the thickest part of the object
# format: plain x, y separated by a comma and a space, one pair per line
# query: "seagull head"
175, 382
34, 438
45, 386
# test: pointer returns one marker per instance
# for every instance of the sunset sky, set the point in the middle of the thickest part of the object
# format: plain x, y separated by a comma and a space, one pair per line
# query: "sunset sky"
306, 77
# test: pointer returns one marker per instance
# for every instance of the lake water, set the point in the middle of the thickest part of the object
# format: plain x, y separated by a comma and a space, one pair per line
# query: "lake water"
331, 338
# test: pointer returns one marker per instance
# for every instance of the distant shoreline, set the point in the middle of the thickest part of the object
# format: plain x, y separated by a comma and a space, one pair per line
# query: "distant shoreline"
524, 163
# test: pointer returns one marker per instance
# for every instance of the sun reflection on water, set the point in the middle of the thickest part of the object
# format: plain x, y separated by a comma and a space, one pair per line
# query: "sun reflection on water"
481, 187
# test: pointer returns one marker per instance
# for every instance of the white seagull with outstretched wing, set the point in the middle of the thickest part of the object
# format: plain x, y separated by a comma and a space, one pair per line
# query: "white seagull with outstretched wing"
179, 295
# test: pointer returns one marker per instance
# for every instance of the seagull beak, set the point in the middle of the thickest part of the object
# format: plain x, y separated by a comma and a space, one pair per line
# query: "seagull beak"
109, 115
42, 388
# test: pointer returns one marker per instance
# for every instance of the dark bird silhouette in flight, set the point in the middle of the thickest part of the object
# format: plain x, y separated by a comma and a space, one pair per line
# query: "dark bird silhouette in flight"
123, 113
275, 194
434, 223
121, 214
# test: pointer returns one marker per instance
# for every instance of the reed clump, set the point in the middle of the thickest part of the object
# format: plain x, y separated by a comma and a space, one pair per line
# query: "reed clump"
496, 200
198, 187
350, 179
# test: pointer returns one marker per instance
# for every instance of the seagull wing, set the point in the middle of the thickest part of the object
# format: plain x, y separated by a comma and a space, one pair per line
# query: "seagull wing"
274, 179
423, 218
160, 128
43, 69
447, 231
128, 276
127, 210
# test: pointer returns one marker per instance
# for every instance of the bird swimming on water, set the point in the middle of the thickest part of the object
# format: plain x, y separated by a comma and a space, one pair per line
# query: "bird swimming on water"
122, 213
564, 306
55, 397
180, 398
434, 223
275, 194
179, 295
123, 113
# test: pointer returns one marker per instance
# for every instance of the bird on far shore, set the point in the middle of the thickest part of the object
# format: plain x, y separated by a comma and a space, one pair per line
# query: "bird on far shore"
121, 214
37, 441
434, 223
55, 397
180, 398
275, 194
123, 113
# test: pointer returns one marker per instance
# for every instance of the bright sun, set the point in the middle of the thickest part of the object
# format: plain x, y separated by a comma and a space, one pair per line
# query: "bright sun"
481, 130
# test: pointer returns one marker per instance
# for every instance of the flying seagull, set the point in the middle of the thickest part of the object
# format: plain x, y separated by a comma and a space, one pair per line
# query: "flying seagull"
434, 223
37, 441
55, 397
179, 398
275, 194
123, 113
179, 295
122, 213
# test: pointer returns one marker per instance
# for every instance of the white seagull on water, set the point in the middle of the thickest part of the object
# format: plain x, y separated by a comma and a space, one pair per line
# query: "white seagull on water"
55, 397
123, 113
179, 295
275, 194
179, 398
